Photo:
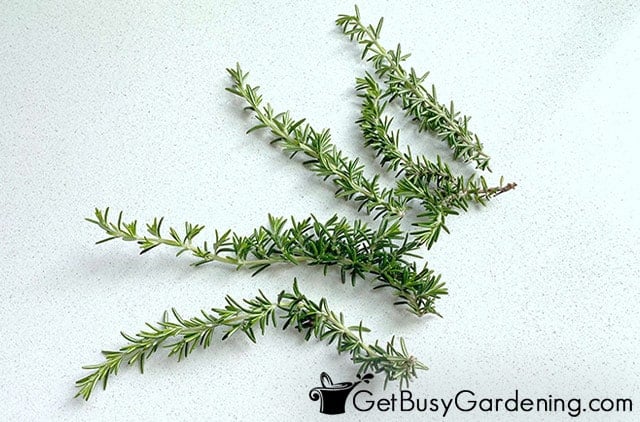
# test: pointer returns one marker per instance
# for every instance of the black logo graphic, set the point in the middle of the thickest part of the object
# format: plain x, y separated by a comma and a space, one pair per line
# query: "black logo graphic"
334, 396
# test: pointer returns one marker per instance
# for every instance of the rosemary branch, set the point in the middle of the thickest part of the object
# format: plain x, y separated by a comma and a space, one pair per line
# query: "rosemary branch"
356, 249
417, 101
432, 183
323, 157
312, 319
307, 241
376, 131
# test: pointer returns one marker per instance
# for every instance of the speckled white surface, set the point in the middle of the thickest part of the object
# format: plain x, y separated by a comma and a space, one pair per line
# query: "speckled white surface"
124, 106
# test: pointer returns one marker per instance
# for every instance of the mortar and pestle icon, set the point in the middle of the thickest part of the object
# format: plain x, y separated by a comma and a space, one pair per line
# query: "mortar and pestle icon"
334, 396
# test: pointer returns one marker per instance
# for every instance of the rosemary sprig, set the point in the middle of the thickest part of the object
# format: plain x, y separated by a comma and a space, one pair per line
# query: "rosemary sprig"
356, 249
376, 131
439, 191
323, 157
417, 101
312, 319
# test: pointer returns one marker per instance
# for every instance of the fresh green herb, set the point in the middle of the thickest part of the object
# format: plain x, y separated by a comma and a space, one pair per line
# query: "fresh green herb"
417, 101
323, 158
182, 336
355, 249
432, 183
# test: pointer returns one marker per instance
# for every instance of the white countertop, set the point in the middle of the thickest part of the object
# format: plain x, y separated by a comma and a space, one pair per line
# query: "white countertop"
124, 106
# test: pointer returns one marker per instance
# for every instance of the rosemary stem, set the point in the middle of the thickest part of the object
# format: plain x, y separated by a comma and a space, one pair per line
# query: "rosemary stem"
348, 333
481, 194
